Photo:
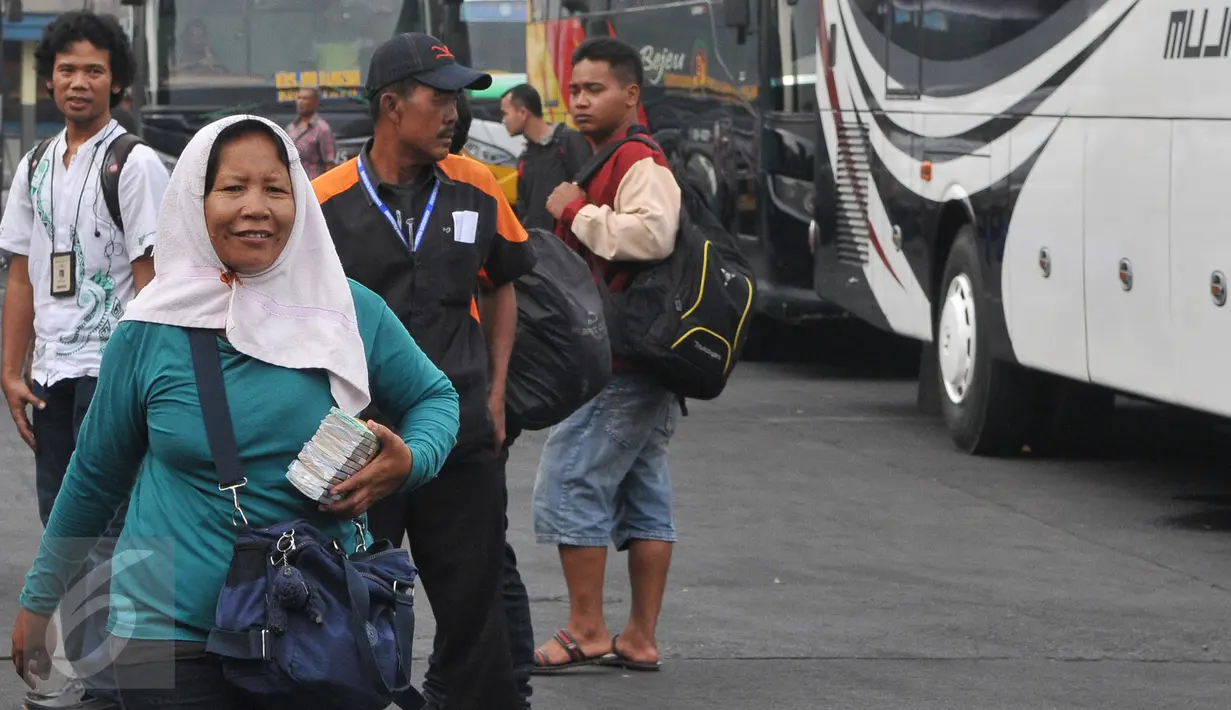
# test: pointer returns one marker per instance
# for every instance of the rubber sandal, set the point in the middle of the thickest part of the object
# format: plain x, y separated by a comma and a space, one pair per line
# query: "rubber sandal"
576, 657
619, 660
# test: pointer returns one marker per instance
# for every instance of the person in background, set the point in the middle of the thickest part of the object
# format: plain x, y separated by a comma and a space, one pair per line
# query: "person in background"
195, 52
554, 154
603, 473
312, 135
73, 273
512, 588
429, 231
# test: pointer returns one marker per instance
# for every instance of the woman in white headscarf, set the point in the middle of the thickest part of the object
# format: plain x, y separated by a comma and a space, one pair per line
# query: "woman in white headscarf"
243, 250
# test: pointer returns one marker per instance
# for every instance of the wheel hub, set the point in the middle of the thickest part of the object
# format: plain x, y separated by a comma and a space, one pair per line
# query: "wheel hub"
956, 338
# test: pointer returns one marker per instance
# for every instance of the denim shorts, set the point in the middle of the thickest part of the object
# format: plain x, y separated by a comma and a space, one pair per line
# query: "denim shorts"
603, 473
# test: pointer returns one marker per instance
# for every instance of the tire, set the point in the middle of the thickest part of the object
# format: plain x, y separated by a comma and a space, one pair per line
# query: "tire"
986, 403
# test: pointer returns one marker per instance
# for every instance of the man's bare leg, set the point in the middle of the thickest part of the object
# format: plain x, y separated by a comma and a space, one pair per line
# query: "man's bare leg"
648, 562
584, 570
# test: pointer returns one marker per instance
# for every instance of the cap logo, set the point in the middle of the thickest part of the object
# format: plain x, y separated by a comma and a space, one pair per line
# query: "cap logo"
442, 52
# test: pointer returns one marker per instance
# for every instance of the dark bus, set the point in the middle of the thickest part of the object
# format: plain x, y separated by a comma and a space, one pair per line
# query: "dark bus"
204, 59
730, 91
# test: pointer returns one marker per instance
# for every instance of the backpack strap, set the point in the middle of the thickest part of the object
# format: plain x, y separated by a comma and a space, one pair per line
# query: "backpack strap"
219, 430
35, 156
109, 172
600, 158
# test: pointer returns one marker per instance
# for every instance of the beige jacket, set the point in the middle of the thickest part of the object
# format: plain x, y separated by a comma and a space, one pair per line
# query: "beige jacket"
642, 225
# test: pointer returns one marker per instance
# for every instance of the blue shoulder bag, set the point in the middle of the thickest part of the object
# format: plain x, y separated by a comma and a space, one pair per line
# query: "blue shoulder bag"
299, 617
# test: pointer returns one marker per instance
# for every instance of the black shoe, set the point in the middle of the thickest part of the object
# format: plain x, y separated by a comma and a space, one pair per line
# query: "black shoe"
72, 696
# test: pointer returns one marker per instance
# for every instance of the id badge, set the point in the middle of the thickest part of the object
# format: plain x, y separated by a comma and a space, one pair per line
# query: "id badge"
63, 273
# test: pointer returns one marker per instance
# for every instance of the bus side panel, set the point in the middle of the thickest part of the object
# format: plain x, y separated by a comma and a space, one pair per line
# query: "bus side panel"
1200, 264
1044, 273
854, 248
1127, 254
838, 262
541, 70
897, 213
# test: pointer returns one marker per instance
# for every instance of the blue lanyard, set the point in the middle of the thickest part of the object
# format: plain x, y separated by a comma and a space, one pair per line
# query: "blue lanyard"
384, 209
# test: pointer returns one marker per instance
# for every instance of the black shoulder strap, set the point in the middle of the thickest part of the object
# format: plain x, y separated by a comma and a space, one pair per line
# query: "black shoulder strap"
601, 157
35, 156
217, 414
109, 172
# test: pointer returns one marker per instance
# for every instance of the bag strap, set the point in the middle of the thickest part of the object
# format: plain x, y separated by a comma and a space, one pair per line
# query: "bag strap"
600, 158
217, 414
35, 156
219, 430
109, 172
403, 629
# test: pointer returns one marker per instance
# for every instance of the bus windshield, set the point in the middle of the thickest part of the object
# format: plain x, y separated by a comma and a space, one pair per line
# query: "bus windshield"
224, 51
496, 39
497, 30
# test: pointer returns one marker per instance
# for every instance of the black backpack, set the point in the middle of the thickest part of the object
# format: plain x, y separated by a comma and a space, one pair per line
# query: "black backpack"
109, 172
684, 318
561, 356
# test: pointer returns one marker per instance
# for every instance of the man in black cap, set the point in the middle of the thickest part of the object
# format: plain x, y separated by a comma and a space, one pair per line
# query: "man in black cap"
427, 230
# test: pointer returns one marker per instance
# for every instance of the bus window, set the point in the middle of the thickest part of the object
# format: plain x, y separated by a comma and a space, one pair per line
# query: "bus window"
963, 45
873, 10
793, 58
950, 30
496, 31
254, 46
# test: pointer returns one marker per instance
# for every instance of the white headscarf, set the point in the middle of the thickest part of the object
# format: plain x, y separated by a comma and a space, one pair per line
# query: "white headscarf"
298, 313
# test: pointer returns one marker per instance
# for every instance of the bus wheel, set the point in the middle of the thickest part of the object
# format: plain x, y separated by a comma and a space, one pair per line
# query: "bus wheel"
984, 401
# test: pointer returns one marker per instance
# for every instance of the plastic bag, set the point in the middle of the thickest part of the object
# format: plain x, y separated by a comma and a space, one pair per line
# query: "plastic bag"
561, 355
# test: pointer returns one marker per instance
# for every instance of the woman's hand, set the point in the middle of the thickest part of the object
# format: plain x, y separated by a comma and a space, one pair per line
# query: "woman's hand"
384, 475
31, 657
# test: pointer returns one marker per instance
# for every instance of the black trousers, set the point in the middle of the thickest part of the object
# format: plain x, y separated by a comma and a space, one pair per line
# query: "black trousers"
516, 599
455, 525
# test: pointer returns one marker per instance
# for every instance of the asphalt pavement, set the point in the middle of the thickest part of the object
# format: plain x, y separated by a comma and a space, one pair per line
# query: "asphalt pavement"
836, 552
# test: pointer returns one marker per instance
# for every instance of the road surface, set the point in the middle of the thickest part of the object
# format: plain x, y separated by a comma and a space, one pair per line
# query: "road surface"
837, 553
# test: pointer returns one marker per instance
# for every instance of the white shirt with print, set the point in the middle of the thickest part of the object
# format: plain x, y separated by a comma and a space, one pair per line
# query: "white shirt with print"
71, 332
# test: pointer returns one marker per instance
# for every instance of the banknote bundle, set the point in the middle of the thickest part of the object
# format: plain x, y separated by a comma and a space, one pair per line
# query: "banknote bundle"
341, 446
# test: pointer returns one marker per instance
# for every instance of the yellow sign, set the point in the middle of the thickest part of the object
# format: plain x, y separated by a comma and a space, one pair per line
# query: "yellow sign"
339, 83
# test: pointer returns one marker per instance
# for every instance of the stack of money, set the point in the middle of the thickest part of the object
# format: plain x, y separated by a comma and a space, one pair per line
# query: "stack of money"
341, 446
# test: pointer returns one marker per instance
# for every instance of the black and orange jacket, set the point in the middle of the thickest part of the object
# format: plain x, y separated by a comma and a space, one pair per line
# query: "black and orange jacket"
472, 240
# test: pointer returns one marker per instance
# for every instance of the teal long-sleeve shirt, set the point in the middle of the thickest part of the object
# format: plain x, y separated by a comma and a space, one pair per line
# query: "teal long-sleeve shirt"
144, 435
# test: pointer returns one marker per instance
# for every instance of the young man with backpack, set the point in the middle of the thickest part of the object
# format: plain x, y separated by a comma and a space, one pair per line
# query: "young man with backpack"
554, 154
603, 474
80, 222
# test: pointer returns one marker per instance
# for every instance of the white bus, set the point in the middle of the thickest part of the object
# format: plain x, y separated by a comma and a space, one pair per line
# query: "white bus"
1037, 190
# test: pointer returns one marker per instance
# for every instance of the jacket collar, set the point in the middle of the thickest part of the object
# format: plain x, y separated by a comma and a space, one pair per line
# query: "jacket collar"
437, 172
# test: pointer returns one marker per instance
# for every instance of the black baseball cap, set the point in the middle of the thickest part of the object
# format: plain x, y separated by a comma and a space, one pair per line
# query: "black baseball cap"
426, 59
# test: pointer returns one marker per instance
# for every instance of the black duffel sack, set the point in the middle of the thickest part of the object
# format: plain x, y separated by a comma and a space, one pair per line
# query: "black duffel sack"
561, 355
685, 318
